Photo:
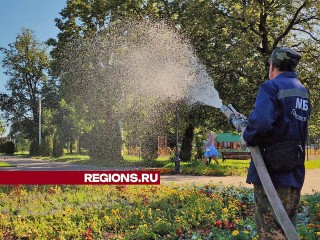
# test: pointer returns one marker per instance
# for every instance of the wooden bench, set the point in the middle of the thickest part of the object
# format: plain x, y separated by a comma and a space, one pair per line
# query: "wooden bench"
236, 155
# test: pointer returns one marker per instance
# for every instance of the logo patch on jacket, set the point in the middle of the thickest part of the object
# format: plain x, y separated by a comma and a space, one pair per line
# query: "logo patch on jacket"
301, 104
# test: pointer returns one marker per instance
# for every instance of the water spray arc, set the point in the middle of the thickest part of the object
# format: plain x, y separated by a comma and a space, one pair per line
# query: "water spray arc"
240, 122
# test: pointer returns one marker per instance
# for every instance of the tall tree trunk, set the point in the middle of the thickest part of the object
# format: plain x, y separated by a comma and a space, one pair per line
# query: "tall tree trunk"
186, 146
70, 145
78, 146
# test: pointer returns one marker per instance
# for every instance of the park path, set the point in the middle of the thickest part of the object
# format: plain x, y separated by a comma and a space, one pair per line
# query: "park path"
30, 164
311, 185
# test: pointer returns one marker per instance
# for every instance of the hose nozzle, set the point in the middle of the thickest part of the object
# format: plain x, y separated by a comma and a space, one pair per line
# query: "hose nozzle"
235, 118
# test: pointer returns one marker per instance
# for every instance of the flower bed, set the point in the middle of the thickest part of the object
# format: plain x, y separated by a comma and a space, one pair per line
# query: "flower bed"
136, 212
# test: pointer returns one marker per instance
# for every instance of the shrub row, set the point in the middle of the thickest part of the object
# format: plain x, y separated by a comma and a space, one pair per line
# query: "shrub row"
7, 147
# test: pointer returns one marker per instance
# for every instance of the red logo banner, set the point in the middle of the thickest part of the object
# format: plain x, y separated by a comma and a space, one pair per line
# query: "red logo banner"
79, 177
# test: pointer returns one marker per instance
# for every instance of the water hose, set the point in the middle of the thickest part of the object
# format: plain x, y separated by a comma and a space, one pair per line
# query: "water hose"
240, 123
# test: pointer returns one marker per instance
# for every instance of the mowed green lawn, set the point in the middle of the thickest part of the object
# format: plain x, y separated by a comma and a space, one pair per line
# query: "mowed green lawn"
4, 164
312, 164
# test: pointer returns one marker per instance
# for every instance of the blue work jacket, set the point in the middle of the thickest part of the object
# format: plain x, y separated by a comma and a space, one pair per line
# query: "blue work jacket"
281, 113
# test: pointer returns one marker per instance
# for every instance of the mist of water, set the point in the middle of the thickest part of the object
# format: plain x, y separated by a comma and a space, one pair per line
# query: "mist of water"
203, 90
132, 73
157, 62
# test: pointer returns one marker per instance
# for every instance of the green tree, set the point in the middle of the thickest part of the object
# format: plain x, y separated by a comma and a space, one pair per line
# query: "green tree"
22, 143
235, 38
232, 38
26, 63
69, 125
86, 19
2, 129
246, 34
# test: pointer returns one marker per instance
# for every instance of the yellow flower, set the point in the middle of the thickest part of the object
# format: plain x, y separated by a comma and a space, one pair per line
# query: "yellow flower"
235, 233
114, 211
225, 210
246, 232
108, 219
318, 233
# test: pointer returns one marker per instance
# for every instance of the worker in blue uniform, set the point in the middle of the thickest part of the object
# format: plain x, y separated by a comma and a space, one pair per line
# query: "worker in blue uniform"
279, 125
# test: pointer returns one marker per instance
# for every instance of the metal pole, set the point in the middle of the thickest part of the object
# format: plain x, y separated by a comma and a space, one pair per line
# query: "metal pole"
176, 153
122, 138
40, 120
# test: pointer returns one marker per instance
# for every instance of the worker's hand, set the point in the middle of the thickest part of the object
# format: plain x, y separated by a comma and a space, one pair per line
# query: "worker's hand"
240, 115
243, 143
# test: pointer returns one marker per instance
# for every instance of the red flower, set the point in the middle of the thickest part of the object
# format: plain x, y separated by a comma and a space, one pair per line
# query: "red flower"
179, 232
88, 234
218, 224
228, 225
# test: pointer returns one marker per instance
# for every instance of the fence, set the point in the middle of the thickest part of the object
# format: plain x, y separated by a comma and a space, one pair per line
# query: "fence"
136, 151
312, 153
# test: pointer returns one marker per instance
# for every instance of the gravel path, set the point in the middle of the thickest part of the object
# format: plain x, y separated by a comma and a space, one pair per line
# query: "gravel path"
311, 185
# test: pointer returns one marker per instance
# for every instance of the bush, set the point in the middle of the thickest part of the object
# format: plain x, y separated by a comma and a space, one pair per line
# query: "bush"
34, 148
22, 145
7, 147
46, 147
149, 149
104, 143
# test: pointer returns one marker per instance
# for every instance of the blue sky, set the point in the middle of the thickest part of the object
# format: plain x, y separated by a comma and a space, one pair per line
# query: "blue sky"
37, 15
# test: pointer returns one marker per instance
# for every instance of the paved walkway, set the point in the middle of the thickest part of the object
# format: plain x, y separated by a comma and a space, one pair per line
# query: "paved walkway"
311, 183
27, 164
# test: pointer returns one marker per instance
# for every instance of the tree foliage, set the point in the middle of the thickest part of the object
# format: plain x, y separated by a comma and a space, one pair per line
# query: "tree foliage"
232, 38
26, 63
69, 124
2, 129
